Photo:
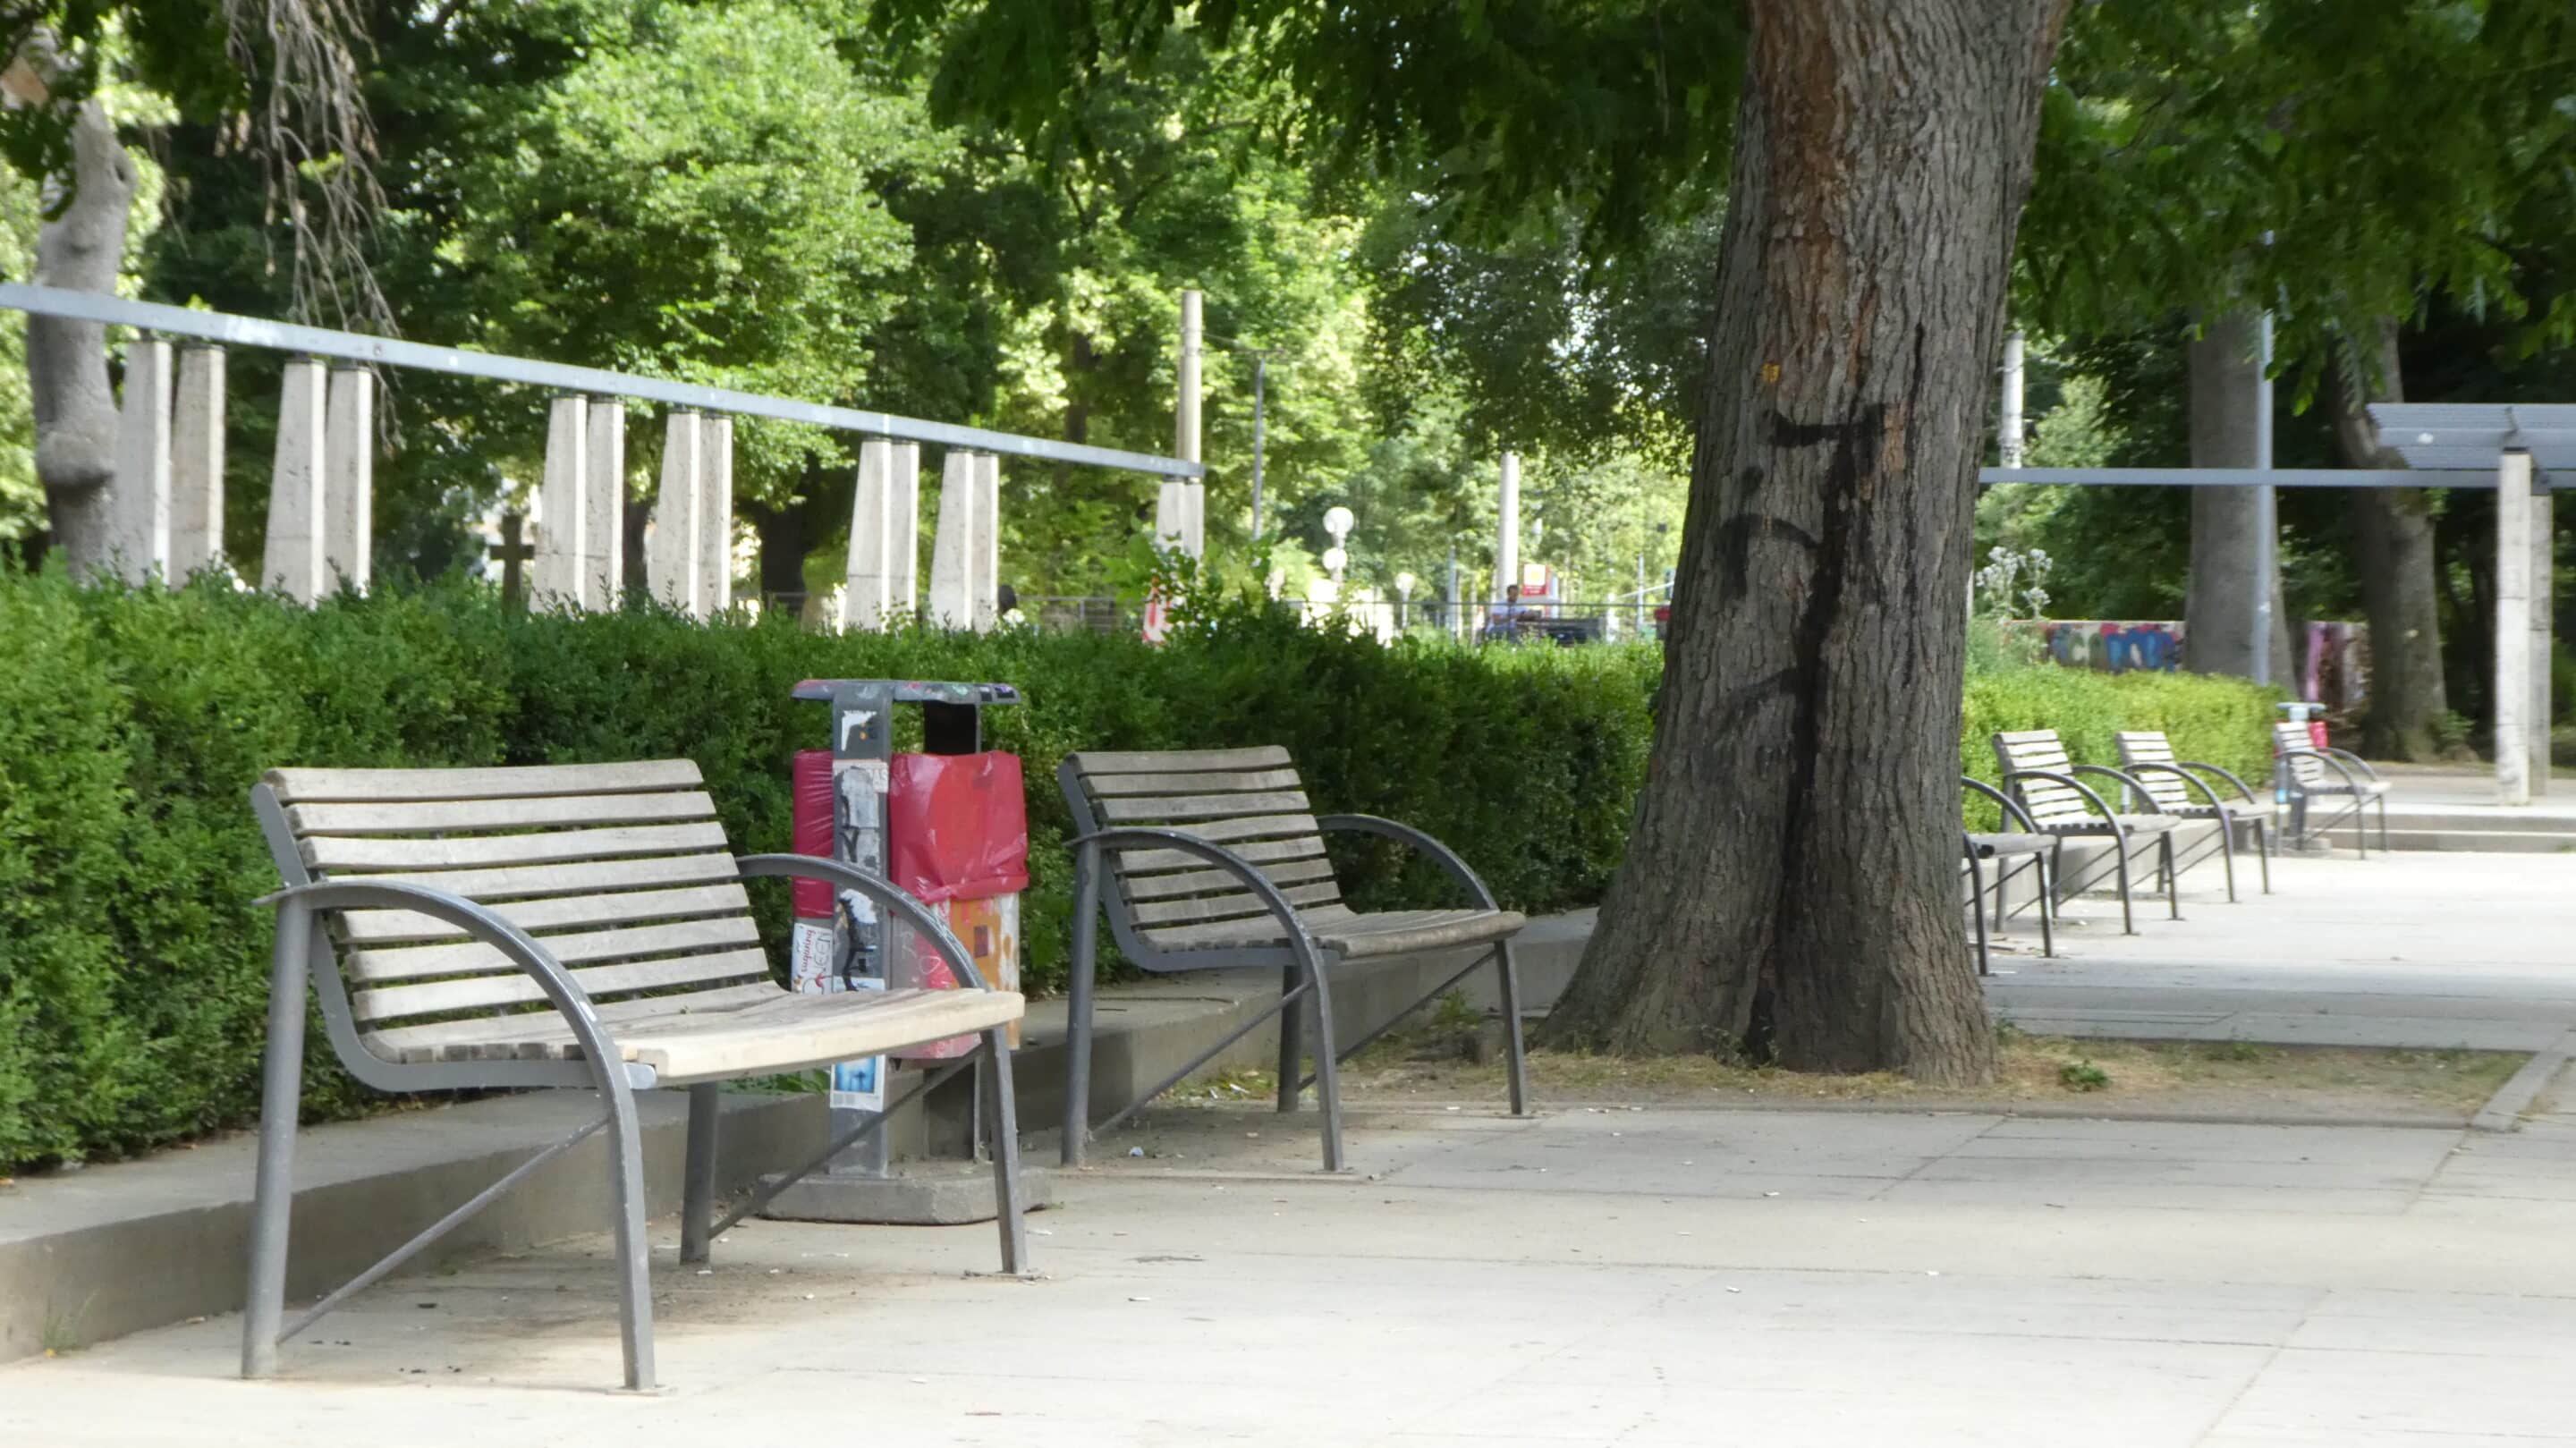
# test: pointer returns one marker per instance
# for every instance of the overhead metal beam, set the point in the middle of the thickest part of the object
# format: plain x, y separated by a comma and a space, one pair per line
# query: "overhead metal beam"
562, 377
2452, 477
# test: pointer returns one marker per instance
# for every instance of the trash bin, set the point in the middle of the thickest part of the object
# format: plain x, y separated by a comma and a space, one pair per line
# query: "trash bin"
948, 824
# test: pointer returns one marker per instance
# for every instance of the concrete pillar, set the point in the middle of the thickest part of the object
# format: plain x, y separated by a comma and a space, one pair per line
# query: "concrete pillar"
349, 479
2008, 427
715, 514
1507, 533
140, 545
603, 516
671, 553
2544, 566
867, 585
292, 560
903, 509
562, 521
953, 546
197, 463
2513, 741
988, 541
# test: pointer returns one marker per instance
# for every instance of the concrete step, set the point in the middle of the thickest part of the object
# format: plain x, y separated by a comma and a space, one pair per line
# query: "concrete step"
2502, 841
2535, 821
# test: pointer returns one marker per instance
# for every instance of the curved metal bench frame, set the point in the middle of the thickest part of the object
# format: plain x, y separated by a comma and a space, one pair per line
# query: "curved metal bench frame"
1976, 855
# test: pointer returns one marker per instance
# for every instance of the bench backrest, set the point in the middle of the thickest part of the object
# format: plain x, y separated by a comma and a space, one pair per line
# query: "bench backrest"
2049, 802
620, 870
1162, 901
2306, 769
2149, 746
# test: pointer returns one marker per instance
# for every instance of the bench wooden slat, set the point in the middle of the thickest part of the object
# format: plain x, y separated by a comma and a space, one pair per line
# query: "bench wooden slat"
548, 847
1119, 786
393, 927
499, 814
475, 1040
1309, 844
418, 962
521, 881
1199, 882
1221, 907
296, 786
483, 991
814, 1030
1184, 809
1095, 762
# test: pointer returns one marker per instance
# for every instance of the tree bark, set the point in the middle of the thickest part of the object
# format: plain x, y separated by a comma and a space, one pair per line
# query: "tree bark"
2392, 530
1791, 886
2219, 611
81, 249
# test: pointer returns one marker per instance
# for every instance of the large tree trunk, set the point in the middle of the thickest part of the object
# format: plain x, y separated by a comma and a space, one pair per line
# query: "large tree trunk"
2219, 612
2392, 531
82, 249
1792, 881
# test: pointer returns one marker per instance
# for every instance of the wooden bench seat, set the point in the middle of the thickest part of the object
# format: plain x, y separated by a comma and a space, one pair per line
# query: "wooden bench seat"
581, 926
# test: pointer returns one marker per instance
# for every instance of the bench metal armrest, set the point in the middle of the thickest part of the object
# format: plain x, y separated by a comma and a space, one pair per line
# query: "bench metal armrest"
2222, 772
516, 945
2011, 806
2077, 785
2135, 792
2327, 758
1128, 837
2355, 760
879, 889
2187, 777
1443, 856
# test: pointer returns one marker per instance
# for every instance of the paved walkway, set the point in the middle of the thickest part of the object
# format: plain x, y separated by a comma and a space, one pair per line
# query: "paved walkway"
1631, 1278
2404, 950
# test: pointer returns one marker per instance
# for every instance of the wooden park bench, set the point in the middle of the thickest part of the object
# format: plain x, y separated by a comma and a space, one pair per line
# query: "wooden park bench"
580, 926
1214, 860
2333, 774
2001, 848
2190, 789
2039, 776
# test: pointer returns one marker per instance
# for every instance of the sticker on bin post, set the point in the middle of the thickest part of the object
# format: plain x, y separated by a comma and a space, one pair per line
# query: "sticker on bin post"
824, 962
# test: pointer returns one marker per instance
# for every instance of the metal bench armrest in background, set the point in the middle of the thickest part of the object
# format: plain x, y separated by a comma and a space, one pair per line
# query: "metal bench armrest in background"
2109, 815
2189, 779
2328, 758
878, 889
2202, 767
1439, 854
2132, 790
2011, 807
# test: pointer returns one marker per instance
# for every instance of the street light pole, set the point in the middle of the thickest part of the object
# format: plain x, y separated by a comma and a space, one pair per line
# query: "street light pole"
1260, 374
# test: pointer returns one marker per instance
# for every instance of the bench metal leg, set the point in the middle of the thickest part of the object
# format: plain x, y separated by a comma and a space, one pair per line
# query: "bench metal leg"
281, 1098
1328, 1089
626, 1201
2047, 905
1515, 1057
698, 1177
1977, 907
2227, 850
2173, 876
2128, 919
2263, 849
1003, 1121
1291, 1057
1077, 1042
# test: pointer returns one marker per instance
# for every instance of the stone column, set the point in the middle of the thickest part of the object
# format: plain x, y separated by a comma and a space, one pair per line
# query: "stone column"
903, 506
292, 561
2544, 565
671, 555
715, 515
988, 541
867, 584
603, 515
197, 464
2513, 743
139, 546
562, 522
953, 547
349, 480
1190, 511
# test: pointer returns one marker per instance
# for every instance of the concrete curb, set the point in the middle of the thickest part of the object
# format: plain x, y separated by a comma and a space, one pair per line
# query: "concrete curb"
2503, 1111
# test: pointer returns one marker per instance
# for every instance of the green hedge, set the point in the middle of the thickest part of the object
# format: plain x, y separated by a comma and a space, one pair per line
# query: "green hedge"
133, 724
2225, 722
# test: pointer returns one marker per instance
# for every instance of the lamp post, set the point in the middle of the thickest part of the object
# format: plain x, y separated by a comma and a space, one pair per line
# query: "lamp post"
1403, 600
1337, 521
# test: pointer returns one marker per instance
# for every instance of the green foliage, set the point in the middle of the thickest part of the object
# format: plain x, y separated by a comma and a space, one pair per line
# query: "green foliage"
2216, 720
2083, 1076
133, 724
